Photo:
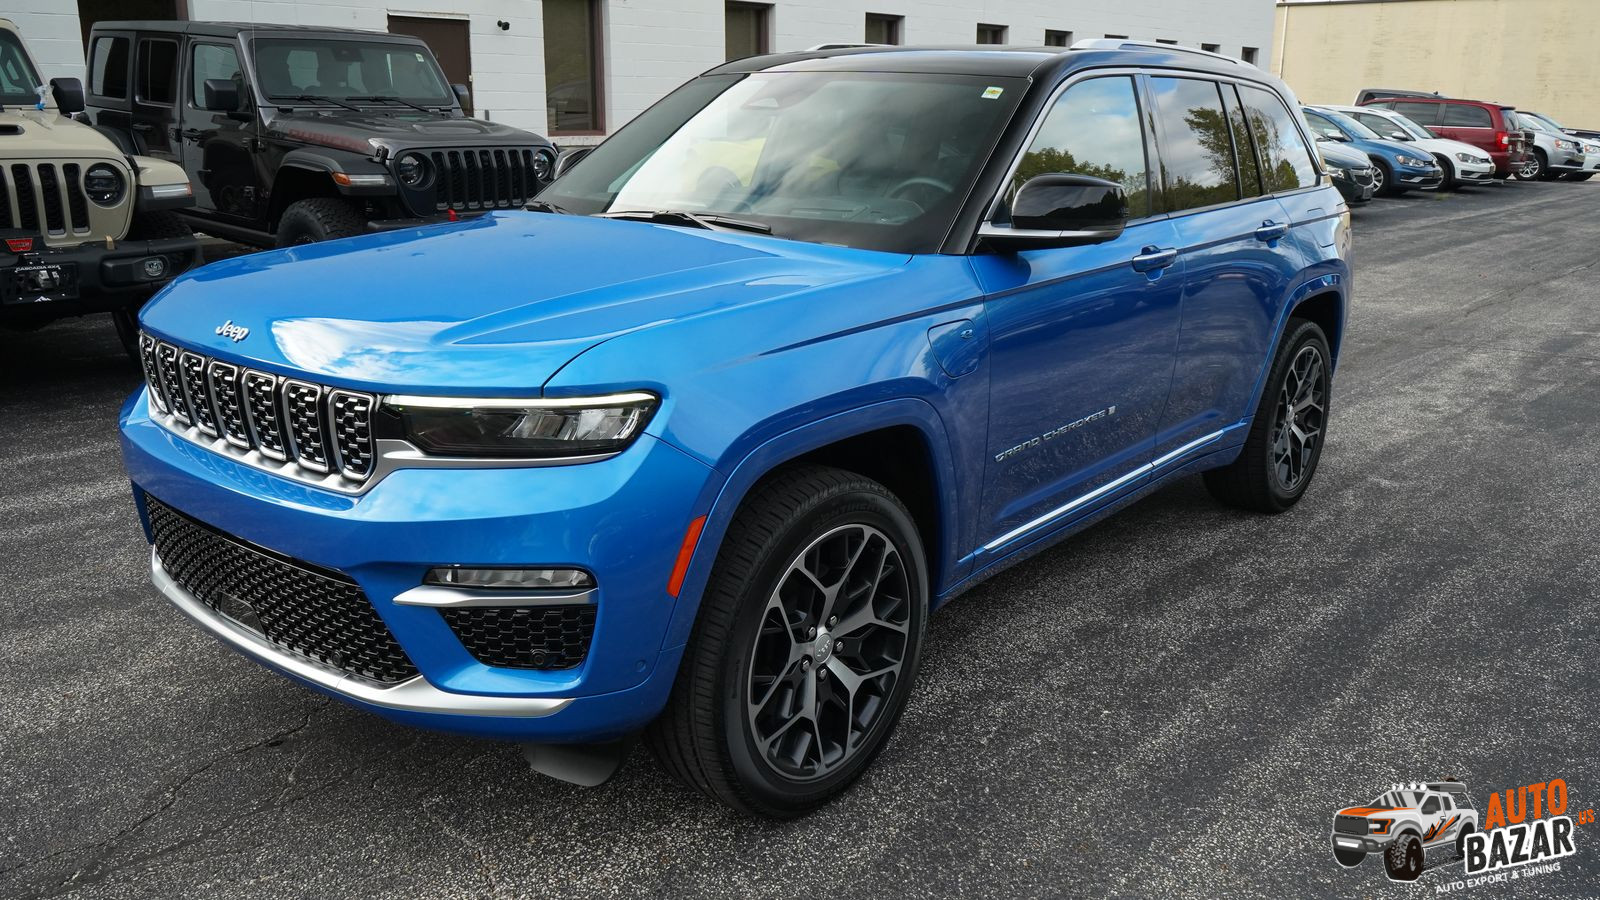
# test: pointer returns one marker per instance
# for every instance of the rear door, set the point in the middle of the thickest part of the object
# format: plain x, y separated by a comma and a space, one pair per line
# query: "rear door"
1468, 123
1235, 240
154, 112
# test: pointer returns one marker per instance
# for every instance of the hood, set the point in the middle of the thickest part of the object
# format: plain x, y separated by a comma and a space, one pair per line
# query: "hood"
1341, 155
27, 133
397, 130
1393, 148
1445, 145
1365, 811
492, 305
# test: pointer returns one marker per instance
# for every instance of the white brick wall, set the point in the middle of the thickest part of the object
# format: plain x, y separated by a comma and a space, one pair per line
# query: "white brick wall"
651, 46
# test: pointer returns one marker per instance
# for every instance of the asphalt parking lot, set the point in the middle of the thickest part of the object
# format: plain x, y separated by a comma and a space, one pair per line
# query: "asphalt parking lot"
1172, 704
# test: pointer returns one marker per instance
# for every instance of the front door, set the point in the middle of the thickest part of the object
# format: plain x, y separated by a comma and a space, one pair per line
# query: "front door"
1083, 338
451, 42
218, 147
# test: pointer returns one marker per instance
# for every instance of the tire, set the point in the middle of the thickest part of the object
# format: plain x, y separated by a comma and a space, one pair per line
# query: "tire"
1258, 479
1532, 168
318, 219
1461, 840
1403, 859
151, 226
1384, 178
1449, 183
1346, 857
711, 736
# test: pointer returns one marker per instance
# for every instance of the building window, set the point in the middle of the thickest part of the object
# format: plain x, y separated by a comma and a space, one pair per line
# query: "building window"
1117, 37
745, 29
883, 29
1211, 48
572, 66
1248, 55
991, 34
1165, 41
1053, 38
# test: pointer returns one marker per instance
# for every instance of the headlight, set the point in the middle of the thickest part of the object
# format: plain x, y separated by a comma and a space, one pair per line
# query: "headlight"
104, 184
522, 429
1378, 826
1340, 172
413, 171
543, 164
1413, 161
1566, 145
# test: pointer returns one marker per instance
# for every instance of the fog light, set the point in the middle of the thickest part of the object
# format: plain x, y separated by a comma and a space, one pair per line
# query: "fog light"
509, 579
154, 267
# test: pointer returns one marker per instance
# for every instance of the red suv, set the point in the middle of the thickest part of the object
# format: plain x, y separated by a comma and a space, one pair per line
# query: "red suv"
1485, 125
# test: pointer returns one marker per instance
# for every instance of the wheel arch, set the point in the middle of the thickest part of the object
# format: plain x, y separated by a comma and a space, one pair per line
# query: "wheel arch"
295, 182
1326, 307
900, 443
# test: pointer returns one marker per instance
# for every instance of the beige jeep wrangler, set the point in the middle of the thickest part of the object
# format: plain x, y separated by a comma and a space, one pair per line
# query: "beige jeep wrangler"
84, 228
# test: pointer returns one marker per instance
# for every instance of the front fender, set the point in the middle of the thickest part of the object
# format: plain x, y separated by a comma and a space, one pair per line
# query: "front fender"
335, 163
722, 498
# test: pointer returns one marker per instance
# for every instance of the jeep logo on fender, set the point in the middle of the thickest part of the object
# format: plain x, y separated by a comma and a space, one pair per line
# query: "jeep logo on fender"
232, 332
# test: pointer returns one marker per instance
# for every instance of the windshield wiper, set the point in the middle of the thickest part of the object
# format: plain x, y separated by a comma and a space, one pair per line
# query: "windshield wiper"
306, 98
378, 98
545, 206
708, 221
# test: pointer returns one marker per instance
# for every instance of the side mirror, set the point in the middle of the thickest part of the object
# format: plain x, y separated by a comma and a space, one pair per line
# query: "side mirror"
1061, 210
1400, 136
68, 93
220, 94
1340, 137
462, 92
570, 158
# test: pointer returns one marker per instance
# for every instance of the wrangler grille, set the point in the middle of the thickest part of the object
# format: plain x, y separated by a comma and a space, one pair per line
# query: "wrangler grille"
44, 197
286, 420
317, 613
483, 179
525, 637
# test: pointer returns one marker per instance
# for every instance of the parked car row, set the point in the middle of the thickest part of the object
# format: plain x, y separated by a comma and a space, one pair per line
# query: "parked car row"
1394, 141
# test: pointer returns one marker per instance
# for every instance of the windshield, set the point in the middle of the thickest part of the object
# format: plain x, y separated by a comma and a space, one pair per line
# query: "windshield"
337, 69
1356, 130
19, 83
1534, 120
1410, 127
872, 160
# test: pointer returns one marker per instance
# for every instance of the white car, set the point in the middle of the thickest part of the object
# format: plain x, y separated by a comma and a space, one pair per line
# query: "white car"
1462, 163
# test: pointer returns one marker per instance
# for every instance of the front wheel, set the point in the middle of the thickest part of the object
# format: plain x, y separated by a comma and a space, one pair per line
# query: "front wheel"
805, 648
318, 219
1285, 443
1382, 179
1403, 860
1450, 181
1532, 167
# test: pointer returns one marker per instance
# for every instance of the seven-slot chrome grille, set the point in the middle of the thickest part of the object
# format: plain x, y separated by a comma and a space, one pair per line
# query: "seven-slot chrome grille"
286, 420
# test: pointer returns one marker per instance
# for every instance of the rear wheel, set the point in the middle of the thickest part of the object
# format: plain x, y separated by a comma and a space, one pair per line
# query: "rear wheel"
805, 647
1285, 442
318, 219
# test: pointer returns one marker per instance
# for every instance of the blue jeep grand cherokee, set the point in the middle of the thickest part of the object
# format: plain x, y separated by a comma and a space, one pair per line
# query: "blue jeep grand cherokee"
694, 446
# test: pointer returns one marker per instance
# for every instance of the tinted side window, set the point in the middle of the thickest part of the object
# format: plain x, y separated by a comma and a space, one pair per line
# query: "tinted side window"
211, 61
158, 71
1286, 158
1459, 115
1249, 166
1423, 114
1093, 129
108, 67
1197, 159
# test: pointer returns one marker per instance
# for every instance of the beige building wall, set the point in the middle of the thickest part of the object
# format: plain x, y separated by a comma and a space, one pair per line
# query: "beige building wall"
1540, 55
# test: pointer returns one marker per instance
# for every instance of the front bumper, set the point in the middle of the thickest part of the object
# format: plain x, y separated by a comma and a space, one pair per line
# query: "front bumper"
95, 279
1414, 178
1362, 843
622, 519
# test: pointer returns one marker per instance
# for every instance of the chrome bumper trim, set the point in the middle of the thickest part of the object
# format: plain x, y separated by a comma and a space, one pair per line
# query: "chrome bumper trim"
441, 596
411, 695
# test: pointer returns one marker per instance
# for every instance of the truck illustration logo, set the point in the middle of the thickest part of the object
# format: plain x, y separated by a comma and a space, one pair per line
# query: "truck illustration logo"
1407, 825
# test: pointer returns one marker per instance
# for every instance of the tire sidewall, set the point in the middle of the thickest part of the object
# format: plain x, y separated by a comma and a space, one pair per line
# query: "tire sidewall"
766, 789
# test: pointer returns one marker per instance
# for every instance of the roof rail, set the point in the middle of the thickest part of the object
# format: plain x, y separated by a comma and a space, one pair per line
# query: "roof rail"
1121, 44
841, 47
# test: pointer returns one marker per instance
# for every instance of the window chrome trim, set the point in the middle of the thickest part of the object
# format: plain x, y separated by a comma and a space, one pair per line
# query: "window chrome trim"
1101, 491
412, 695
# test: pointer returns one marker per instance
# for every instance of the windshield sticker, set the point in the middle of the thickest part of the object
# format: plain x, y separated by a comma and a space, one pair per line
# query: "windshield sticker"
993, 93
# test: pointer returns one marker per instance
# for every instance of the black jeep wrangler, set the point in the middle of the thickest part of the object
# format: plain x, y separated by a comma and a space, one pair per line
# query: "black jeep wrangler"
293, 134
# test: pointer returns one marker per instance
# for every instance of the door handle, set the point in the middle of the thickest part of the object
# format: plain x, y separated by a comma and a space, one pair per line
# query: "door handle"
1271, 231
1153, 259
192, 134
143, 126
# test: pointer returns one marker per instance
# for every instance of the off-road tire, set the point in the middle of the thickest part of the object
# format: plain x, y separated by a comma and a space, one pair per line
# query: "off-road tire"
318, 219
1249, 482
1403, 859
1461, 840
150, 226
704, 737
